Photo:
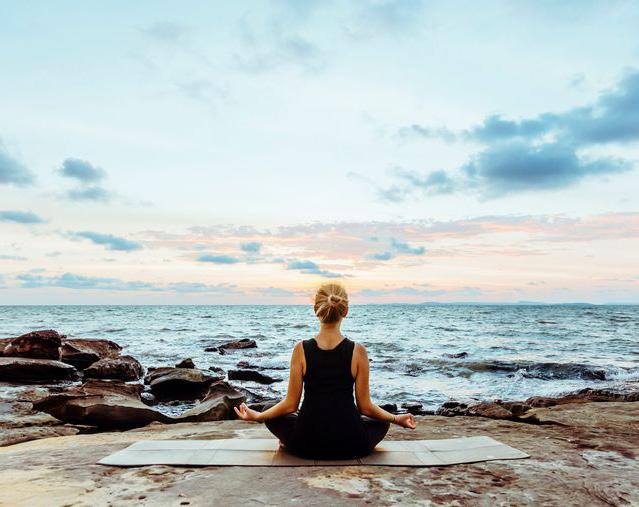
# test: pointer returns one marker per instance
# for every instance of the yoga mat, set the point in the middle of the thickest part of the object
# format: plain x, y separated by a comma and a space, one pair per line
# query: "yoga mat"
266, 452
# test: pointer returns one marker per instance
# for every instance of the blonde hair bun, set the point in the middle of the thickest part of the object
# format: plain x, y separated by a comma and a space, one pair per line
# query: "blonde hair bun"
331, 303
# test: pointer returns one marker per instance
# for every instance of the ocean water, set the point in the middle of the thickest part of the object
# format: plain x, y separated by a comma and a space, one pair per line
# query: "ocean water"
511, 351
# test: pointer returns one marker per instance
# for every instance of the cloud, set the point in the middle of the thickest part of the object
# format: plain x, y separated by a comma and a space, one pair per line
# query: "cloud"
82, 171
251, 246
218, 259
517, 166
13, 172
20, 217
167, 32
537, 153
89, 194
397, 247
310, 268
382, 256
72, 281
109, 241
12, 258
405, 248
275, 292
80, 282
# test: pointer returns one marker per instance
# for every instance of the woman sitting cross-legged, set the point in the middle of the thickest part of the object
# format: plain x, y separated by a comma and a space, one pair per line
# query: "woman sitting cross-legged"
329, 424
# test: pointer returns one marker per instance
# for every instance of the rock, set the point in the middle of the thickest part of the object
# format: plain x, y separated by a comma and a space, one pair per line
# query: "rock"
103, 404
35, 371
389, 407
186, 363
119, 368
457, 355
82, 352
148, 398
590, 463
36, 344
217, 405
586, 395
253, 376
218, 371
261, 406
179, 383
244, 343
414, 408
513, 411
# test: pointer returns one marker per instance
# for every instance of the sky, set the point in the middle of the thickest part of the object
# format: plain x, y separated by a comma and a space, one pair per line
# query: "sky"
192, 152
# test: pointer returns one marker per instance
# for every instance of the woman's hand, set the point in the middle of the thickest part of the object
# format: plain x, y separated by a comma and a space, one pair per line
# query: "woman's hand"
406, 420
247, 414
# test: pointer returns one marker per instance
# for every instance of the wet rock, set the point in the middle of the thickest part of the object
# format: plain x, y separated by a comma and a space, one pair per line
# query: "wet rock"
217, 405
253, 376
414, 408
35, 371
124, 368
108, 405
36, 344
179, 383
148, 398
245, 365
389, 407
586, 395
457, 355
186, 363
83, 352
244, 343
218, 371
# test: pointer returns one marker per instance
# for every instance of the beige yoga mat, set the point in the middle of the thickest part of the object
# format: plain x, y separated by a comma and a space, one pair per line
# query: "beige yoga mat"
266, 452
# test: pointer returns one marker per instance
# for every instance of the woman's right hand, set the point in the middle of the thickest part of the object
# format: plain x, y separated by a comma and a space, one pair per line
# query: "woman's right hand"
406, 420
247, 414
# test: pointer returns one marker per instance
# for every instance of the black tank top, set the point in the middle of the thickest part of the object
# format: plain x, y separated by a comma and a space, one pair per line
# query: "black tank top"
329, 425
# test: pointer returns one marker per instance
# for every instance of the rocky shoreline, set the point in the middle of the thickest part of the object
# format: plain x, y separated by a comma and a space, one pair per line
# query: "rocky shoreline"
51, 385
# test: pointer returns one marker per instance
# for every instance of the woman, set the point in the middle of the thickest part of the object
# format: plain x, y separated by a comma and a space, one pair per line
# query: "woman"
329, 424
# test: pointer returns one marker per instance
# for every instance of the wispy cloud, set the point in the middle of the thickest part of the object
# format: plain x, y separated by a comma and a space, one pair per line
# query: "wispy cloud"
218, 259
98, 194
12, 171
110, 241
20, 217
167, 32
88, 176
82, 171
251, 246
311, 268
537, 153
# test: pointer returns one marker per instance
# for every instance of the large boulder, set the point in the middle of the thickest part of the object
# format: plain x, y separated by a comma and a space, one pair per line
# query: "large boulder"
253, 376
108, 405
117, 368
179, 383
513, 411
217, 405
24, 370
82, 352
36, 344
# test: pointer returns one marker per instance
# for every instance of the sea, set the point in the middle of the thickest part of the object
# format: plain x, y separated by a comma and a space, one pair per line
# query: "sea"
427, 353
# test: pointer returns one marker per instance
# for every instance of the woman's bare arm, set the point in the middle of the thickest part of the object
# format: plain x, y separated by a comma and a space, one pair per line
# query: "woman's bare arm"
360, 370
293, 395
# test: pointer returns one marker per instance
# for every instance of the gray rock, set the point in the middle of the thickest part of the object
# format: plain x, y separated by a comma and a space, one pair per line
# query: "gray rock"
124, 368
35, 371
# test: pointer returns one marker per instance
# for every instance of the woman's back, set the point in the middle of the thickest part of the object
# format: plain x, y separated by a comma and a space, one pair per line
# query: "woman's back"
329, 424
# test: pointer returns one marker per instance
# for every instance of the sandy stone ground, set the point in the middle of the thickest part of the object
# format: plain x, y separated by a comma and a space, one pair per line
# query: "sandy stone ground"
584, 454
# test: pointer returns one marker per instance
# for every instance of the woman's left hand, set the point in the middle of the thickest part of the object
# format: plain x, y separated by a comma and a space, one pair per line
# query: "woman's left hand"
247, 414
406, 420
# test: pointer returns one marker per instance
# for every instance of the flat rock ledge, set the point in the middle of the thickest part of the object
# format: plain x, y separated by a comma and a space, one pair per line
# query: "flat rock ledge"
589, 458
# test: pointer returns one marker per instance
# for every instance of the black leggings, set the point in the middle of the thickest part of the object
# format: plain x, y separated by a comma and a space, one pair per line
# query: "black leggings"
282, 427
